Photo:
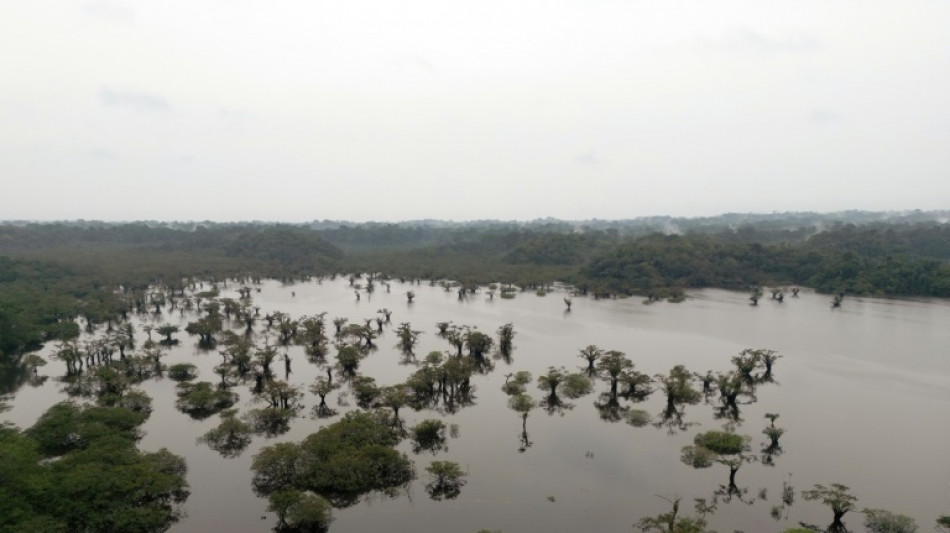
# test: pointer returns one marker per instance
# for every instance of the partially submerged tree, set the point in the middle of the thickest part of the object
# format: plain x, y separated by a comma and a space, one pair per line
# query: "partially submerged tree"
679, 391
523, 405
506, 335
408, 337
365, 390
321, 387
182, 372
348, 359
571, 385
591, 354
477, 343
300, 511
167, 330
447, 479
837, 497
672, 522
881, 521
79, 469
205, 327
394, 397
516, 383
725, 448
611, 367
341, 462
202, 399
230, 437
773, 448
428, 435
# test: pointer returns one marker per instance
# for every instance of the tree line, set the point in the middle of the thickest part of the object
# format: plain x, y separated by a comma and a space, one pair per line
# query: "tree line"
50, 273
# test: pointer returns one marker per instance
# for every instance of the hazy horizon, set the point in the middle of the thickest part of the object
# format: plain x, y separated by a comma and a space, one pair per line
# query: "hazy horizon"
940, 215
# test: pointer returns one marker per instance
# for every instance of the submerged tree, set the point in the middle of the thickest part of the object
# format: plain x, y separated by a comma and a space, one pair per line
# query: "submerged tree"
300, 511
408, 337
611, 367
348, 359
394, 397
672, 522
202, 399
167, 330
321, 387
314, 336
477, 343
516, 383
446, 481
570, 385
881, 521
205, 327
679, 391
230, 437
523, 404
721, 447
341, 462
506, 335
365, 390
837, 497
182, 372
591, 354
614, 368
773, 448
79, 469
428, 435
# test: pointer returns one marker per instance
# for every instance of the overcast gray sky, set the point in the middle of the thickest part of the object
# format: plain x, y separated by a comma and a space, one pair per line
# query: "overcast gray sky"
500, 109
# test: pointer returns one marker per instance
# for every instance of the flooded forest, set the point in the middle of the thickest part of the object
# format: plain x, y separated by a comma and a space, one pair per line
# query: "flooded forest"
781, 373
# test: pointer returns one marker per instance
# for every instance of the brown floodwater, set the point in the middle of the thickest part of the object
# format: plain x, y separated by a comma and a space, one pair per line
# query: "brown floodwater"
863, 392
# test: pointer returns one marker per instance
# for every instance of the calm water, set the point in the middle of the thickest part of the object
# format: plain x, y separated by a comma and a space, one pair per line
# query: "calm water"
863, 392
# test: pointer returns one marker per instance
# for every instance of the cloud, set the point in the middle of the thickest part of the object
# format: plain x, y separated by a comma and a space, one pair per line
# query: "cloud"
137, 100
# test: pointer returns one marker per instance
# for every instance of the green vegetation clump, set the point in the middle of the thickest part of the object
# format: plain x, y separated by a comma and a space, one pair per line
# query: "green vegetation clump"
428, 435
230, 437
721, 442
300, 511
882, 521
203, 399
78, 469
341, 462
447, 479
182, 372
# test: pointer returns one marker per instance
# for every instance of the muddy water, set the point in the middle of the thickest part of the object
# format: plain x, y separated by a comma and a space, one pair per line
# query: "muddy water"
863, 392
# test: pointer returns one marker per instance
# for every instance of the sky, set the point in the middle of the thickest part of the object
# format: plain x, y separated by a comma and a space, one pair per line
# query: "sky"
383, 110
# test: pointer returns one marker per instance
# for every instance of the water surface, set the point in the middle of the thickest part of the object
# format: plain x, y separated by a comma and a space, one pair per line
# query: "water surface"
863, 392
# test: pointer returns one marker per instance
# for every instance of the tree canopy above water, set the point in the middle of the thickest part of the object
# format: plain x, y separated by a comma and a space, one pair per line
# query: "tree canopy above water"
99, 480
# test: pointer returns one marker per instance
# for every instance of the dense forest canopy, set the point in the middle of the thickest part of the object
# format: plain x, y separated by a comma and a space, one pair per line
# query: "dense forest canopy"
53, 272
